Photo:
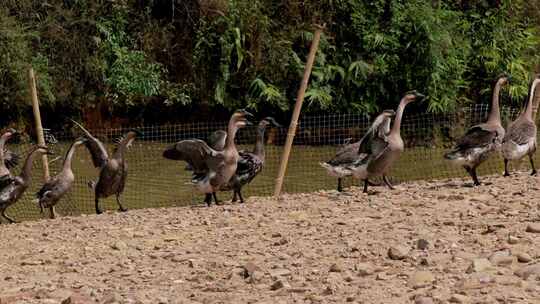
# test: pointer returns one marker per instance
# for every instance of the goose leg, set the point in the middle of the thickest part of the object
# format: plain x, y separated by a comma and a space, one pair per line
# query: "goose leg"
52, 213
240, 195
120, 206
366, 183
9, 219
506, 167
339, 185
215, 198
234, 198
472, 173
98, 209
387, 182
533, 172
208, 199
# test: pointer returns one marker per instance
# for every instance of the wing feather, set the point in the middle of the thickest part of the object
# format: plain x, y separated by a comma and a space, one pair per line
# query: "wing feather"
95, 147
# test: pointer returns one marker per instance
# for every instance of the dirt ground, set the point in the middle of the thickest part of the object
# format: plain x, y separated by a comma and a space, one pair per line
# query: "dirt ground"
426, 242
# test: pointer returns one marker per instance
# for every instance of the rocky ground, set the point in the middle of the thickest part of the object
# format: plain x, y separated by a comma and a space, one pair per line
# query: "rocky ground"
426, 242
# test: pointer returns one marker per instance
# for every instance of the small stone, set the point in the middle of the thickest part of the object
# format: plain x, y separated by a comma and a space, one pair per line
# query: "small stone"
119, 245
533, 228
480, 265
112, 298
280, 273
421, 279
475, 281
528, 271
502, 258
279, 284
364, 269
335, 268
397, 253
423, 300
249, 270
422, 244
458, 298
512, 240
523, 257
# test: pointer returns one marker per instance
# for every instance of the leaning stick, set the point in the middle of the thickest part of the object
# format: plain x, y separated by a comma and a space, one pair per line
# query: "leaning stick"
37, 121
297, 109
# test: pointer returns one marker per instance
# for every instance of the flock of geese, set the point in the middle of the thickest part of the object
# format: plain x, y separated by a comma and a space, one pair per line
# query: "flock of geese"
217, 165
381, 146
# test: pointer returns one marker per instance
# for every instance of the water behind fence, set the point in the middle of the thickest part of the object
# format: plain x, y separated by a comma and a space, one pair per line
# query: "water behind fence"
156, 182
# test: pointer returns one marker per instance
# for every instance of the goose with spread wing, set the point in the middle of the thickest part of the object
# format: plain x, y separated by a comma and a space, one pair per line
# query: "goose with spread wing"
212, 169
520, 138
54, 189
386, 148
348, 161
11, 193
113, 171
8, 159
481, 140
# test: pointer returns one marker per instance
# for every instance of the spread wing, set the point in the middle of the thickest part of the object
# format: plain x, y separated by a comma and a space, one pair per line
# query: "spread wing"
249, 165
217, 140
47, 187
196, 153
346, 155
95, 147
374, 141
521, 133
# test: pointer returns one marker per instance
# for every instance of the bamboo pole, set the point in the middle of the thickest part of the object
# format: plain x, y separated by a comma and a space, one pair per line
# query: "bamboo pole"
297, 108
37, 121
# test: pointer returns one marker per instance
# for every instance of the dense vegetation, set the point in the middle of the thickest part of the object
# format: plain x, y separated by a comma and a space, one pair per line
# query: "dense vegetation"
161, 59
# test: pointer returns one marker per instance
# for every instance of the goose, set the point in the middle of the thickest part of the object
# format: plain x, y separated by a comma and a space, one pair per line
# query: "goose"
212, 169
385, 147
520, 138
113, 170
54, 189
481, 140
250, 164
348, 160
10, 194
8, 159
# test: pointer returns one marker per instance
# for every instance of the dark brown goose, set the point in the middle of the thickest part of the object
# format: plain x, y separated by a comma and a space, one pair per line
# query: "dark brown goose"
212, 169
384, 150
53, 190
8, 159
113, 170
10, 194
520, 138
348, 160
250, 164
481, 140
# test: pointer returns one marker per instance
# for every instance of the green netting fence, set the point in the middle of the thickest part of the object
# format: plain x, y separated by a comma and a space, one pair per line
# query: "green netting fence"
157, 182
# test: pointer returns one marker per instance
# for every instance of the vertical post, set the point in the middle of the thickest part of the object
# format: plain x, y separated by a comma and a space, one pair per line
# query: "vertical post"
297, 108
37, 120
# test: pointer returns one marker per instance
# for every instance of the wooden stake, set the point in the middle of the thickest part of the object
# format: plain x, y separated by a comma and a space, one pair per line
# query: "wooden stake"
37, 120
297, 108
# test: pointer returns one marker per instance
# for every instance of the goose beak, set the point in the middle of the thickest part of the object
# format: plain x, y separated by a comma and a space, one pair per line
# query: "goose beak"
420, 96
273, 122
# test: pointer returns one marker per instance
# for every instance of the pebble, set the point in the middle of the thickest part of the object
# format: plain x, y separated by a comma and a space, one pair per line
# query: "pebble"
397, 253
364, 269
458, 298
528, 271
523, 257
335, 268
421, 279
480, 265
502, 258
423, 300
279, 284
512, 240
422, 244
119, 245
533, 228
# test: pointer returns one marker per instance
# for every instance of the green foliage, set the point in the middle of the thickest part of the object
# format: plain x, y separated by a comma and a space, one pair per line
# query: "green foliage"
238, 53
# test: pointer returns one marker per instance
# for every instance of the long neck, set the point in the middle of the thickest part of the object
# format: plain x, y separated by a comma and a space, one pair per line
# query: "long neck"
399, 114
121, 148
231, 134
495, 113
26, 172
69, 157
2, 145
528, 113
259, 144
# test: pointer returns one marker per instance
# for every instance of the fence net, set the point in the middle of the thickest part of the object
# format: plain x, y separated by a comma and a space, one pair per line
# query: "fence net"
157, 182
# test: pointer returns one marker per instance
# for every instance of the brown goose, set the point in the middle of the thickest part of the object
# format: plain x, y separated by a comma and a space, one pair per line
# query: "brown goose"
481, 140
53, 190
212, 169
384, 150
8, 159
520, 138
113, 170
10, 194
348, 160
